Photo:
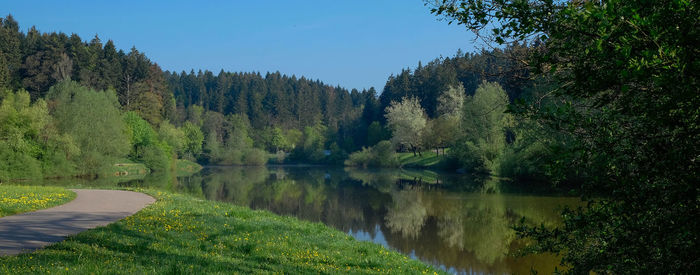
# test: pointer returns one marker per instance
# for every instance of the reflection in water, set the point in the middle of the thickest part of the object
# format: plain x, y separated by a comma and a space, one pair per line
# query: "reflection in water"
407, 214
460, 224
457, 223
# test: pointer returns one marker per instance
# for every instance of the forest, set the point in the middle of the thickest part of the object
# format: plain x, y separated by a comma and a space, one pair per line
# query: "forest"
597, 98
157, 116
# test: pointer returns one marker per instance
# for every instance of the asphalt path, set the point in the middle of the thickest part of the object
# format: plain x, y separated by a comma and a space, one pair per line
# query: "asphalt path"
91, 208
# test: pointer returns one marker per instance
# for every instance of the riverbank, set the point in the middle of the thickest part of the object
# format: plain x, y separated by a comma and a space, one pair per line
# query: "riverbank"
182, 234
426, 160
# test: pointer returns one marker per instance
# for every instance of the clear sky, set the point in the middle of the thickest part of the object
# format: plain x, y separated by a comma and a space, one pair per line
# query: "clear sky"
354, 44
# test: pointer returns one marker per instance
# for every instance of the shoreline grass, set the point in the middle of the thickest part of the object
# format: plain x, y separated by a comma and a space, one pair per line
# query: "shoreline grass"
182, 234
15, 199
427, 159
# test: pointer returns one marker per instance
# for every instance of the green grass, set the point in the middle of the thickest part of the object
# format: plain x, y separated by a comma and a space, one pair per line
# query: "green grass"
181, 234
20, 199
429, 159
423, 175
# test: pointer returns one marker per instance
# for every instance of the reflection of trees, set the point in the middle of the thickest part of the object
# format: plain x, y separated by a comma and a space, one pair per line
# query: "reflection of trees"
464, 230
384, 180
451, 229
467, 231
487, 230
407, 215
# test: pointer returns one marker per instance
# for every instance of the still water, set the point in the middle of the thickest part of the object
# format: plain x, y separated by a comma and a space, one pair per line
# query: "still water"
455, 222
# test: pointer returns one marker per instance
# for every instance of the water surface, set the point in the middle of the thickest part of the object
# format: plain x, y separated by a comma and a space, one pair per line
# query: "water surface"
458, 223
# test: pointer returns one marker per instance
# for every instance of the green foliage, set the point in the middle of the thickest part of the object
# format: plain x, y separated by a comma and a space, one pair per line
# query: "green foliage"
441, 132
380, 155
430, 82
444, 130
31, 146
238, 146
626, 99
312, 147
407, 121
451, 101
20, 143
193, 140
156, 157
274, 140
376, 133
94, 122
337, 155
173, 136
140, 133
254, 156
470, 156
293, 137
485, 123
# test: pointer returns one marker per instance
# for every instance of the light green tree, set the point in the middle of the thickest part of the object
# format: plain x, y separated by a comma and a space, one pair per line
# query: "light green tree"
173, 136
451, 101
407, 121
20, 125
485, 122
193, 140
140, 133
94, 121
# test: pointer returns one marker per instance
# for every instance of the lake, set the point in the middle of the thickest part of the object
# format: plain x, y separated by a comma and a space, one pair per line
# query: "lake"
459, 223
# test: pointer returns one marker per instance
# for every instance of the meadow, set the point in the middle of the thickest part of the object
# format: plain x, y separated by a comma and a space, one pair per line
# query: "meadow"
19, 199
183, 234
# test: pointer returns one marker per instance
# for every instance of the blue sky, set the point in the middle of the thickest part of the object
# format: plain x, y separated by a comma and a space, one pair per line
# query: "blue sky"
354, 44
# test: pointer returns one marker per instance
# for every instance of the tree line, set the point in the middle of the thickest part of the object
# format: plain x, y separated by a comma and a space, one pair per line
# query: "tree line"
245, 114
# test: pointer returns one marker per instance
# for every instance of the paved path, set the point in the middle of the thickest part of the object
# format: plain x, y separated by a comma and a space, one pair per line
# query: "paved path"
90, 208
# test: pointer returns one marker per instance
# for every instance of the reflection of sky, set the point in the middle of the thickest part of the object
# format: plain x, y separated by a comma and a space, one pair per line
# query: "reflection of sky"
362, 235
366, 236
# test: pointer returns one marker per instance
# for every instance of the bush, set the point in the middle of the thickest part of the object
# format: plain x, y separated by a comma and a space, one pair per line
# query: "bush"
385, 155
525, 163
14, 165
469, 156
380, 155
360, 158
93, 121
254, 156
155, 158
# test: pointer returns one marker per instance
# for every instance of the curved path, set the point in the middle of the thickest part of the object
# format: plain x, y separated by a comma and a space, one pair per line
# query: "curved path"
90, 208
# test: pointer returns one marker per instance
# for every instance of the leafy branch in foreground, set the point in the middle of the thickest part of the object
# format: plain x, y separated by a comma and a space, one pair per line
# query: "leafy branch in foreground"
625, 74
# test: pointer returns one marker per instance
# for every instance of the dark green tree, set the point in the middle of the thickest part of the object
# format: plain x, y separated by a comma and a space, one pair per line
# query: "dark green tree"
627, 94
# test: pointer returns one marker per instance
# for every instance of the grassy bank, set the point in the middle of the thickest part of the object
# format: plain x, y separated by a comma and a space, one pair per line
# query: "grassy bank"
181, 234
20, 199
427, 159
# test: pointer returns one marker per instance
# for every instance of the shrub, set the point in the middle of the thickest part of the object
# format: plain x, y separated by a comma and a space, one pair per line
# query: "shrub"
469, 156
380, 155
254, 156
155, 158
